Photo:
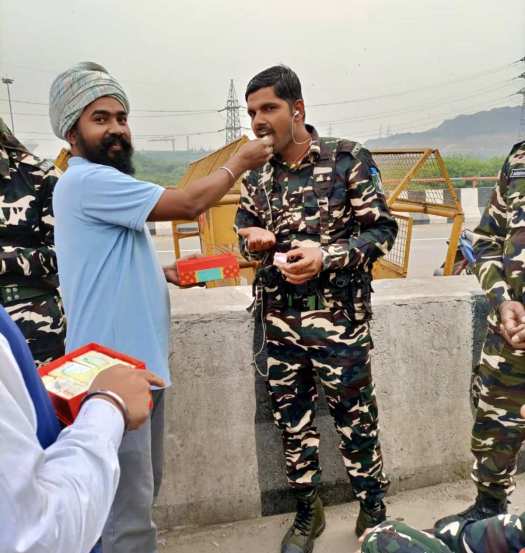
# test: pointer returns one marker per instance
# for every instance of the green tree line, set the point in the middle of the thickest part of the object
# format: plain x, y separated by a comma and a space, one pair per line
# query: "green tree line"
166, 168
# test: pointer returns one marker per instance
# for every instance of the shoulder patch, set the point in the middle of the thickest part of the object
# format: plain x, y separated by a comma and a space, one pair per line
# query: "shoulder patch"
356, 149
376, 180
517, 173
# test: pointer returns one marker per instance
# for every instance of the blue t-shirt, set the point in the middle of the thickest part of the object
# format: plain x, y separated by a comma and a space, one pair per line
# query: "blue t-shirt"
113, 287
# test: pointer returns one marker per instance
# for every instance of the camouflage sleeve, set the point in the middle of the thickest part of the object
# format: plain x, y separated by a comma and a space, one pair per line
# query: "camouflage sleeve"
488, 244
377, 226
39, 261
500, 534
246, 216
393, 536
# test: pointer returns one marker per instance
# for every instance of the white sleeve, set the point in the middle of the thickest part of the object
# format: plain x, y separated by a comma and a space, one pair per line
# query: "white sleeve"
56, 499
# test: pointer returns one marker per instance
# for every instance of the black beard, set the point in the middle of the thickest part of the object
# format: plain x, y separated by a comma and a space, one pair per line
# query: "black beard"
120, 159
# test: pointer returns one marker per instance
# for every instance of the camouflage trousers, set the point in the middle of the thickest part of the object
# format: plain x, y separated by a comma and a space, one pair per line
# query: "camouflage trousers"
43, 325
324, 341
501, 534
499, 431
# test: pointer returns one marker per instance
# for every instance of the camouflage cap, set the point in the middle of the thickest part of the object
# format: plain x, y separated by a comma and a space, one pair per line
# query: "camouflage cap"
8, 140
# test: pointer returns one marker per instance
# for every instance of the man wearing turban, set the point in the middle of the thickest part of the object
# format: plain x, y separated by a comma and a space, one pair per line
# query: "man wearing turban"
114, 290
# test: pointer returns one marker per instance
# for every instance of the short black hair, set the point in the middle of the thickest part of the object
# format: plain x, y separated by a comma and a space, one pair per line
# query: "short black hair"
285, 82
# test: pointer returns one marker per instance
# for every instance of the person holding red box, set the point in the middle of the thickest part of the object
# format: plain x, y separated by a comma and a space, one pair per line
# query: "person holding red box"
56, 488
113, 287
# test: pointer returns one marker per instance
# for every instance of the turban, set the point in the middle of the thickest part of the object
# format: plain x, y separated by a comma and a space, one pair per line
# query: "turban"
75, 89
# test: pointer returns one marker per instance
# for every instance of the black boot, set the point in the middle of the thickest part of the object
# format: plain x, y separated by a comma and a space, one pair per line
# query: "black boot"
485, 506
369, 516
309, 523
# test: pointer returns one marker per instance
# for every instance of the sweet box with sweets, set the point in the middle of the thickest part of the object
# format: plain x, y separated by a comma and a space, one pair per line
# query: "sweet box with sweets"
68, 378
204, 269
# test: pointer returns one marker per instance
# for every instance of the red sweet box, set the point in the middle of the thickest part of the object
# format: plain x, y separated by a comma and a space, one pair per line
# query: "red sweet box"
67, 409
204, 269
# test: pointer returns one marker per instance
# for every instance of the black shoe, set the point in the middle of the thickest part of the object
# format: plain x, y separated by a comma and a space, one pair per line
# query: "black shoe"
309, 524
485, 506
369, 517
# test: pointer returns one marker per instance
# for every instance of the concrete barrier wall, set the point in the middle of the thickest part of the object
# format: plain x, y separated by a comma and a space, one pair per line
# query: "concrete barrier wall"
224, 459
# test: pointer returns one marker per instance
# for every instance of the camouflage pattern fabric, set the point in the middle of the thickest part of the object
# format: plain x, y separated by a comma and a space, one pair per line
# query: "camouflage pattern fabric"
499, 383
27, 255
324, 341
499, 239
501, 534
498, 430
332, 200
42, 323
346, 216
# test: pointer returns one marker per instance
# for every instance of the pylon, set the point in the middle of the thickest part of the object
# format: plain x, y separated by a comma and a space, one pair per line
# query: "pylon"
521, 132
233, 119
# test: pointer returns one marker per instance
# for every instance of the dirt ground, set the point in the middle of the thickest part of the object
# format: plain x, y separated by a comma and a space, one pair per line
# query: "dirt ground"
419, 508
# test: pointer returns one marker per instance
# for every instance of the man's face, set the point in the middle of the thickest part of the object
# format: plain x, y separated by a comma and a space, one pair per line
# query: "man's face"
271, 115
102, 135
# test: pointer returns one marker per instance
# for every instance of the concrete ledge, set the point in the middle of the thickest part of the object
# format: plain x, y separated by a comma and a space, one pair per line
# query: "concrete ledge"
224, 458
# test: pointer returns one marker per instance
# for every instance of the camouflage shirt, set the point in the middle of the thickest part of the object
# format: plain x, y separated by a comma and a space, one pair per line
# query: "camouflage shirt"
27, 252
499, 240
500, 534
341, 210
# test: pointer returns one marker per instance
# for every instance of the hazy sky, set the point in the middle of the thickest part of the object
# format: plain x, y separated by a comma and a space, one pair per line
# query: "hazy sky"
401, 65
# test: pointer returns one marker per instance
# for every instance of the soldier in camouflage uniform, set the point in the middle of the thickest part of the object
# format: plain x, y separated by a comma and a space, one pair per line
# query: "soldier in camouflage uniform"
499, 382
499, 534
319, 202
28, 267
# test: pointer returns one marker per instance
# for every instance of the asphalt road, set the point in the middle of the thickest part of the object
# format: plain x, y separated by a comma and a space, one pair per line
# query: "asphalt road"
428, 250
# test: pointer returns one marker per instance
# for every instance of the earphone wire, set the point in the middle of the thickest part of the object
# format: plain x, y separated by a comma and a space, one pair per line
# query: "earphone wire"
293, 135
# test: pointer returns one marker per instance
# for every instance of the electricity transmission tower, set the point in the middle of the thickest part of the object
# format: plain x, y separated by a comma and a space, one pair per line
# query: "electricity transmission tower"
521, 135
233, 119
521, 131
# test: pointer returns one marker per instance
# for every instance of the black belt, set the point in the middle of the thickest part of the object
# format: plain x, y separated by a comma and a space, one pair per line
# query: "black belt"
16, 293
305, 303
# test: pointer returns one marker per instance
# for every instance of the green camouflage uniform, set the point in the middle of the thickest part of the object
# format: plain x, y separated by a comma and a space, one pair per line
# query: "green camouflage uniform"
28, 267
499, 382
501, 534
334, 200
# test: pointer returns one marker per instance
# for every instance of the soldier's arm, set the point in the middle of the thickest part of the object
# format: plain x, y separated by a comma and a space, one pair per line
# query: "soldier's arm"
499, 534
245, 217
488, 244
40, 260
378, 228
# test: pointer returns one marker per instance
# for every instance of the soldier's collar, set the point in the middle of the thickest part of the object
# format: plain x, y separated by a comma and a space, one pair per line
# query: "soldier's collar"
311, 156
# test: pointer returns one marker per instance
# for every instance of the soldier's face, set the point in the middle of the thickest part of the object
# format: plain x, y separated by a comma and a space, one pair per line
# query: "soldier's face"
272, 115
102, 135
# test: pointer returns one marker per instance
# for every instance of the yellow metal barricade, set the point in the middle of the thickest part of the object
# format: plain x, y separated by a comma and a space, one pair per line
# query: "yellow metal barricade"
404, 173
395, 263
62, 160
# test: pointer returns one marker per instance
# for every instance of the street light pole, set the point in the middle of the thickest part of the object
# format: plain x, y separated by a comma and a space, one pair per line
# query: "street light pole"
8, 82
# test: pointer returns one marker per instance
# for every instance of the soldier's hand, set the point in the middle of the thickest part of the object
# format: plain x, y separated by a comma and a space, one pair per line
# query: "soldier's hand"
255, 153
258, 239
303, 265
512, 328
133, 386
